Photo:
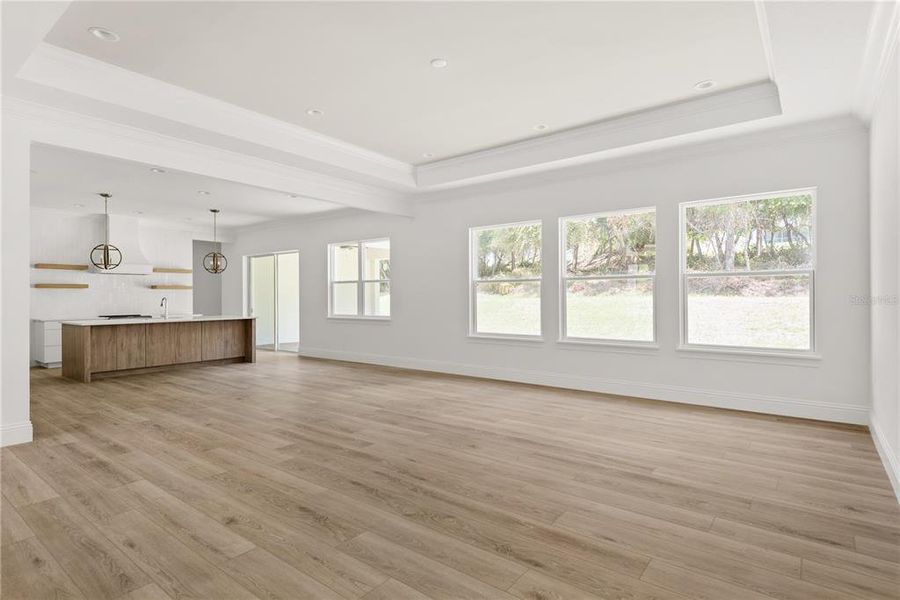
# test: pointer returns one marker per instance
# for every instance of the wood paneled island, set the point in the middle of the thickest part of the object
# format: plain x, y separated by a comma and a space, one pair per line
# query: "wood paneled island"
99, 348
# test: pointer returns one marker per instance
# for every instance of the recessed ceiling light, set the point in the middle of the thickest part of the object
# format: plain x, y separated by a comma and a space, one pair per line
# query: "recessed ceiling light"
78, 205
428, 155
158, 170
203, 192
188, 219
102, 33
293, 195
439, 63
138, 212
541, 127
706, 84
315, 112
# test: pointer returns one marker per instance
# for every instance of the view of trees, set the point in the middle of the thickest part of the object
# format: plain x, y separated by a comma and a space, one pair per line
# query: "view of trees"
615, 244
509, 252
773, 233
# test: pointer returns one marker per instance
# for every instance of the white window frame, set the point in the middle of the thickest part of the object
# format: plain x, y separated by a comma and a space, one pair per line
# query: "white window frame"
360, 281
474, 281
684, 275
564, 279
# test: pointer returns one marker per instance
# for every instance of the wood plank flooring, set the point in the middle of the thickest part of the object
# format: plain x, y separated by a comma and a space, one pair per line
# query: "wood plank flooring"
297, 478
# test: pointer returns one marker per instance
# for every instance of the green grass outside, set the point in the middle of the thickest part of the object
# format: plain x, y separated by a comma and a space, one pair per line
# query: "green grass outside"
781, 322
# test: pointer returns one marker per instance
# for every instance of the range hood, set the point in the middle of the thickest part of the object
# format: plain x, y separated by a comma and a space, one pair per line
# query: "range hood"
125, 234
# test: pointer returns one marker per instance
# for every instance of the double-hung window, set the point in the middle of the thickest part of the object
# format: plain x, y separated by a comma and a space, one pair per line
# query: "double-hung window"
359, 279
747, 272
608, 276
505, 280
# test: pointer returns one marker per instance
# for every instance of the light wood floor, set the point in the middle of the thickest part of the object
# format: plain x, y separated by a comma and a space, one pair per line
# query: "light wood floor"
296, 478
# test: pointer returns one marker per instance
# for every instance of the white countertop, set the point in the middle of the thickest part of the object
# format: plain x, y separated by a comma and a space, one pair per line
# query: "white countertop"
172, 319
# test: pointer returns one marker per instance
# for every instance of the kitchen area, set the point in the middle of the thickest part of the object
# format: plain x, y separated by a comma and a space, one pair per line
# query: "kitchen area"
121, 282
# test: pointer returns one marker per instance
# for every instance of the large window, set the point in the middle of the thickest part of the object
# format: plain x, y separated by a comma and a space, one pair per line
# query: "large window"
506, 280
748, 269
359, 279
608, 270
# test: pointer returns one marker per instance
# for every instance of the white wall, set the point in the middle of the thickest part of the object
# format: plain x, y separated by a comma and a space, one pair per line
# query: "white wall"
429, 267
67, 237
885, 266
207, 286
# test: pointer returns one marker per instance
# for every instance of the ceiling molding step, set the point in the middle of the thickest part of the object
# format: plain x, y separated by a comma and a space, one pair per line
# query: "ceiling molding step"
765, 36
75, 73
737, 105
810, 130
881, 44
65, 129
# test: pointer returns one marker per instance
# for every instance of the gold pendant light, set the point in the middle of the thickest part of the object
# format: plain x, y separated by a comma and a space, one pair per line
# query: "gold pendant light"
105, 256
215, 262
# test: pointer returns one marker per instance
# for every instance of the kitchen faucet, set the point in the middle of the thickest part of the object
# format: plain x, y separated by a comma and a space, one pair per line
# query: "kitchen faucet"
165, 305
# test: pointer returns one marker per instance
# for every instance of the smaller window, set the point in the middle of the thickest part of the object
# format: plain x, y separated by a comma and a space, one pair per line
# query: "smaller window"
359, 279
608, 276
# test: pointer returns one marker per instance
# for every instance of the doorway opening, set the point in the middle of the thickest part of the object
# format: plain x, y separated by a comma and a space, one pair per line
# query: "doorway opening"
274, 299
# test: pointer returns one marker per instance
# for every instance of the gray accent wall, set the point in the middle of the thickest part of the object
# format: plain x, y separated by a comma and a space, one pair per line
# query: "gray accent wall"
207, 287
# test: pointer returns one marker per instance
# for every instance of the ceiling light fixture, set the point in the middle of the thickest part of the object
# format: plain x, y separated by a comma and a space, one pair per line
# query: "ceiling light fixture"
158, 170
106, 256
138, 212
78, 205
315, 112
293, 195
428, 155
102, 33
203, 192
439, 63
706, 84
541, 127
215, 262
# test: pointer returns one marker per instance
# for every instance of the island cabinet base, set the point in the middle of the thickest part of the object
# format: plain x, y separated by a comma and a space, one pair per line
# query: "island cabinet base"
91, 351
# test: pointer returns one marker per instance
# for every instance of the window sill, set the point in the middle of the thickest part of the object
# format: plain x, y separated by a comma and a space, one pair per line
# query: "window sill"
499, 338
363, 319
805, 359
607, 345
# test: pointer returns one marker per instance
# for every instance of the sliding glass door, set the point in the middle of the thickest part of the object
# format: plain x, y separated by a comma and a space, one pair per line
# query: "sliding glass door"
274, 299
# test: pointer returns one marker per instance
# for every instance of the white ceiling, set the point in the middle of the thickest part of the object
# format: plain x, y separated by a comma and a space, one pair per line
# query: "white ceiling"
62, 179
512, 65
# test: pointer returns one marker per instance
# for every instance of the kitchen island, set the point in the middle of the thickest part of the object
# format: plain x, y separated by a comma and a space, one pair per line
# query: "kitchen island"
103, 348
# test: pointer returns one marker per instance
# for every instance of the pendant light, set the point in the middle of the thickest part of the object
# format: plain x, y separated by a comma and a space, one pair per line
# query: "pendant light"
106, 256
215, 262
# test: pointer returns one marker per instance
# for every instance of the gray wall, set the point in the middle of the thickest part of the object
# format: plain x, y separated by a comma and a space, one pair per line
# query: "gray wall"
207, 287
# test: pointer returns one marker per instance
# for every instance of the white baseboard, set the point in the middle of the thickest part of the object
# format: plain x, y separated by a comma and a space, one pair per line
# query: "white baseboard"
15, 433
888, 457
778, 405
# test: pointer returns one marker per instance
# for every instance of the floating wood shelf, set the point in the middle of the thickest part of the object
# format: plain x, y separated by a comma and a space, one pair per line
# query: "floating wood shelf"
171, 270
61, 286
171, 287
61, 266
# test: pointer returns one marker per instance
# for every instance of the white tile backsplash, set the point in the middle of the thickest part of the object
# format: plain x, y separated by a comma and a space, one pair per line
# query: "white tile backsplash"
64, 237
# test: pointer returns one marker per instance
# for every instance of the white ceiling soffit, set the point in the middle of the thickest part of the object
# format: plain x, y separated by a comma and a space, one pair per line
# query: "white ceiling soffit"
66, 179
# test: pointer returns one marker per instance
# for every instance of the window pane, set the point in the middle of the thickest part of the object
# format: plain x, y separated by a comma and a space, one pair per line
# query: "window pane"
767, 234
377, 259
344, 298
750, 311
345, 262
377, 299
507, 307
611, 244
505, 252
610, 309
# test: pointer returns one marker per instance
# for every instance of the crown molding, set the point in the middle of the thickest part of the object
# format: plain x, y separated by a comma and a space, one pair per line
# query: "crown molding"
737, 105
53, 126
79, 74
881, 44
644, 157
